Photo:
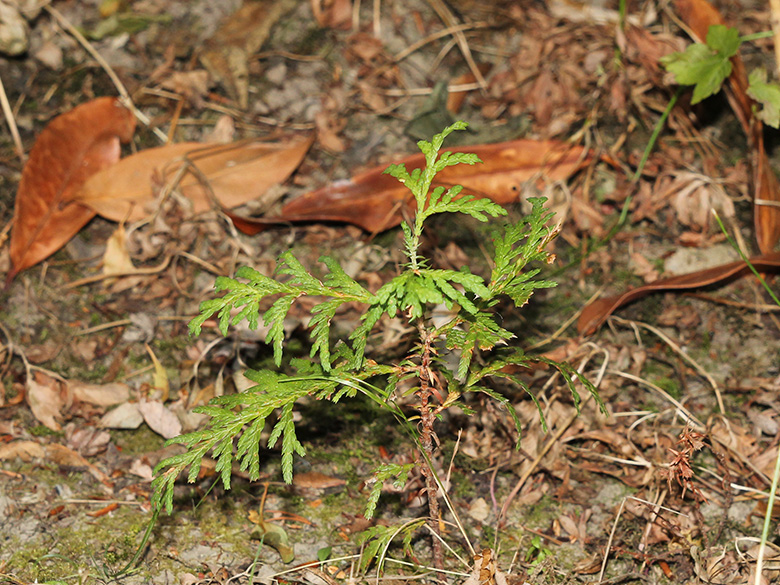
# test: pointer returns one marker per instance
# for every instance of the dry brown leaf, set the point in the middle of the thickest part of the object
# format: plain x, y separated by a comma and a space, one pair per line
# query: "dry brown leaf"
39, 353
455, 98
376, 201
72, 147
116, 259
192, 85
160, 382
235, 173
65, 457
45, 398
695, 198
571, 527
594, 315
329, 128
99, 394
24, 450
161, 420
87, 441
124, 416
316, 480
643, 268
142, 469
333, 13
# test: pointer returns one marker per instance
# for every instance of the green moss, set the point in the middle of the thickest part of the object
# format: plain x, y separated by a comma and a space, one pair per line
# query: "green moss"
669, 385
96, 374
541, 514
463, 487
171, 344
42, 431
312, 41
137, 441
102, 542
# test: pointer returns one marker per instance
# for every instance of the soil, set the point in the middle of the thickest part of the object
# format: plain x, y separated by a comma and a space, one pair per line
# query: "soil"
590, 491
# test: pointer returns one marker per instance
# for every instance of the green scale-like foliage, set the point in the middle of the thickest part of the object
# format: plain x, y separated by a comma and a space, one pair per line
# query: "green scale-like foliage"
336, 371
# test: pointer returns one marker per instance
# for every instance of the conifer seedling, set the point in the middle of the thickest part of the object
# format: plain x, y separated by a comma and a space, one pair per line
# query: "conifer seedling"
339, 370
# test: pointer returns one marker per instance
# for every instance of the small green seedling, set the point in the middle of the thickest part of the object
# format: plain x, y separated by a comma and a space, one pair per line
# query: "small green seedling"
340, 370
537, 552
706, 66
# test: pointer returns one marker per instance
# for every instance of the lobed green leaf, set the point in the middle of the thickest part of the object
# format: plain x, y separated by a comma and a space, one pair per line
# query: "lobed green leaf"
767, 94
705, 66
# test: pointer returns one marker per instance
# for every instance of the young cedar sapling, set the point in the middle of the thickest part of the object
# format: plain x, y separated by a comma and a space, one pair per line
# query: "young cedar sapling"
341, 370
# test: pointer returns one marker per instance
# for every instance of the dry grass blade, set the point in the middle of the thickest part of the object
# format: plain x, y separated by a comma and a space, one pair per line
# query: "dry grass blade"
450, 21
120, 87
11, 121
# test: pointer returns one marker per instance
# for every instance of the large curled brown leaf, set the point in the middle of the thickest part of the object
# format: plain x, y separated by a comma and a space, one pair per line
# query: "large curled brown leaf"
596, 313
71, 148
699, 15
376, 201
234, 173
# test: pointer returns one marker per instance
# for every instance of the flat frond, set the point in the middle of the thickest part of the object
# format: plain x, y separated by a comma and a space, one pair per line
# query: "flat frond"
568, 373
398, 473
274, 318
322, 315
483, 332
301, 279
477, 207
290, 444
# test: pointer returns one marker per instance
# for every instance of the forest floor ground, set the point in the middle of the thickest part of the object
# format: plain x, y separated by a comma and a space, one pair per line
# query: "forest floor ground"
369, 80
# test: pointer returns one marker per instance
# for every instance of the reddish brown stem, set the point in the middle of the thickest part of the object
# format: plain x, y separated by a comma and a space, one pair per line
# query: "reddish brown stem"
427, 442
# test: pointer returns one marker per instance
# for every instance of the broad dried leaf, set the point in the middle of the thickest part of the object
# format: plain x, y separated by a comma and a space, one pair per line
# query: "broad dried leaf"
116, 259
45, 398
124, 416
86, 440
99, 394
160, 381
333, 13
235, 173
316, 480
594, 315
24, 450
72, 147
159, 418
274, 536
699, 15
65, 457
376, 201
